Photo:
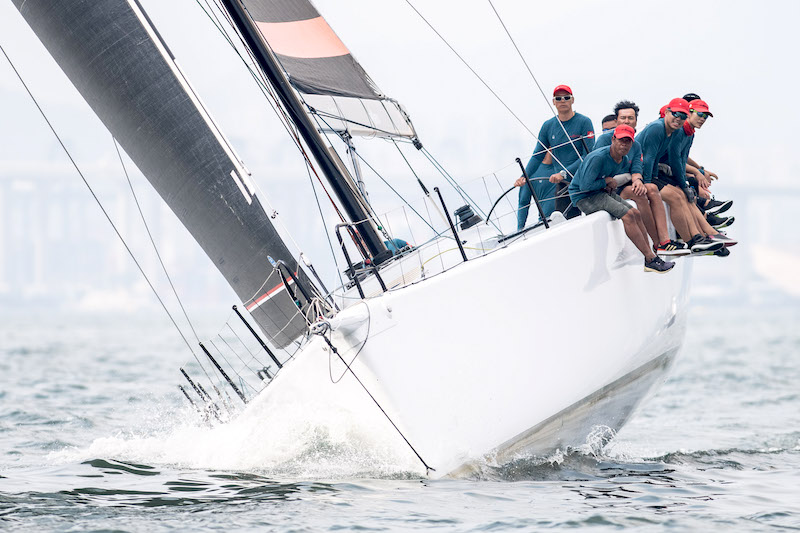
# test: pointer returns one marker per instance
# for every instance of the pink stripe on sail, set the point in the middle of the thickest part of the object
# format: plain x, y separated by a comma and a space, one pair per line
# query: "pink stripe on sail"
306, 39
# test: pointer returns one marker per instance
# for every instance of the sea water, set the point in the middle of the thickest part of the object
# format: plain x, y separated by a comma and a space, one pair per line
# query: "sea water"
94, 435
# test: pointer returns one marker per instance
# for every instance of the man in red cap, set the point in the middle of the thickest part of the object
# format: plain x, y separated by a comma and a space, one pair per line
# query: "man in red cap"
655, 140
627, 112
568, 138
700, 178
676, 191
592, 189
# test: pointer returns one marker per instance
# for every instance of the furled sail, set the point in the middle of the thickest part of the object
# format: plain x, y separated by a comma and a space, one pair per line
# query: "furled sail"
123, 69
322, 69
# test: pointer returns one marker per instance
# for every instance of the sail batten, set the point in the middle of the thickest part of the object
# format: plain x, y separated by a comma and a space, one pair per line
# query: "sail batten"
124, 71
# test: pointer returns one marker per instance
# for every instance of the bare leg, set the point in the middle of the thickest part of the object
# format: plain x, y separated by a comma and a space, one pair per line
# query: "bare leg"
677, 211
634, 229
659, 213
643, 205
694, 229
701, 221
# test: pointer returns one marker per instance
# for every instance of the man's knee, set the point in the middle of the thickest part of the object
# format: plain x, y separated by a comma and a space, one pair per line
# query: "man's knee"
671, 195
632, 215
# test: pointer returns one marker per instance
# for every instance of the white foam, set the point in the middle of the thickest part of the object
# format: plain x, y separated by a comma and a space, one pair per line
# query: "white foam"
302, 426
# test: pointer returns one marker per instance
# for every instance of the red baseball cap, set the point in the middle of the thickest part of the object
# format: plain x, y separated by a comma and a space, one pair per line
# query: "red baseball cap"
623, 130
678, 104
663, 111
700, 105
562, 88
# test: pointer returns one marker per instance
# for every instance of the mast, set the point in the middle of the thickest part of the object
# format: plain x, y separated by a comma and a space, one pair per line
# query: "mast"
269, 64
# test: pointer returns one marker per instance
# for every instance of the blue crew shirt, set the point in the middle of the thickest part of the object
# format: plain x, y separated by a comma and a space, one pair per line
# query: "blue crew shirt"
654, 142
635, 154
678, 153
592, 173
581, 133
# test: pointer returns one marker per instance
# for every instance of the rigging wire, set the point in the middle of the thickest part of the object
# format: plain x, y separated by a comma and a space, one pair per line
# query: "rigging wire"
269, 94
485, 84
450, 178
272, 100
150, 236
549, 105
322, 217
395, 192
374, 218
105, 213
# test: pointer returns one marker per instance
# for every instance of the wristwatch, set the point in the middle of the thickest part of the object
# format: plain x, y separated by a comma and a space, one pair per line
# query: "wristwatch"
563, 173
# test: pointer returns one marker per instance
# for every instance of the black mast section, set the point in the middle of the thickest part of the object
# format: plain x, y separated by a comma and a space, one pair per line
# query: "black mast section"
269, 64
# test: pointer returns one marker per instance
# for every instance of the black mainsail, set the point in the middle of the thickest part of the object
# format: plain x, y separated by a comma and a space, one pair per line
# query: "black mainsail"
118, 62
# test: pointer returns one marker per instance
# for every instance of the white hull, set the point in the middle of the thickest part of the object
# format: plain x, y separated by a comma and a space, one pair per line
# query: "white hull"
519, 351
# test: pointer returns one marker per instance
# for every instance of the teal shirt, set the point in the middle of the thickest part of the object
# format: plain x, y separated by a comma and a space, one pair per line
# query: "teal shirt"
680, 142
654, 142
581, 133
634, 155
592, 173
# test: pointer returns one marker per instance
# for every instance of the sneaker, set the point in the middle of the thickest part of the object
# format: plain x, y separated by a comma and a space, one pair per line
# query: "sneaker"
704, 245
724, 239
715, 207
672, 248
718, 222
722, 252
658, 265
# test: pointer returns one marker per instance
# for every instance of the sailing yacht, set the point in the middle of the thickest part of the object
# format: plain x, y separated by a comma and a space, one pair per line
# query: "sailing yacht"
466, 367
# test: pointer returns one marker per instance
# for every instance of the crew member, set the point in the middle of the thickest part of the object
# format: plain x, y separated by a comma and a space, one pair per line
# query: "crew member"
672, 181
593, 186
609, 123
568, 137
627, 112
655, 140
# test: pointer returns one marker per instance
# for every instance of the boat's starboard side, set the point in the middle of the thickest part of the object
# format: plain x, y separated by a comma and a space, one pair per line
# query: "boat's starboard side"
475, 357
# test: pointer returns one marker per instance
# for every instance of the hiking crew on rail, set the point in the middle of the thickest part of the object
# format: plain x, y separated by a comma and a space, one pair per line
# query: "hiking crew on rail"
651, 169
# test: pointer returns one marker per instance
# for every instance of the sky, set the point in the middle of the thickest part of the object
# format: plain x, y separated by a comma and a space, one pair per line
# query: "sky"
739, 56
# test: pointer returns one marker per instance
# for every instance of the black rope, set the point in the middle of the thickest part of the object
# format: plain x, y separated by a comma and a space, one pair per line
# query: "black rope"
419, 181
334, 350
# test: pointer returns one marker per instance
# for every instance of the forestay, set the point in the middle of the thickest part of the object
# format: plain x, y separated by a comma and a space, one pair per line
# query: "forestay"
126, 73
321, 68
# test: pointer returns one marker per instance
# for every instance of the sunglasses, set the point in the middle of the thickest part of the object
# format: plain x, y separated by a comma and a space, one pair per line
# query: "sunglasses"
701, 114
565, 98
680, 114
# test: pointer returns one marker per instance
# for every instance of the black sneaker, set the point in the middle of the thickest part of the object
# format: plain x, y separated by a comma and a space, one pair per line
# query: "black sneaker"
715, 207
718, 222
724, 239
658, 265
704, 245
672, 248
722, 252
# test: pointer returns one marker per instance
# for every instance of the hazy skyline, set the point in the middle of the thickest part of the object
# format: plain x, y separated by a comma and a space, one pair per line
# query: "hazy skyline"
734, 54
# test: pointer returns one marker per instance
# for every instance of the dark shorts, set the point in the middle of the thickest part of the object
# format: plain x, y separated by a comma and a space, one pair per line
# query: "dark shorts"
620, 189
662, 181
611, 203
